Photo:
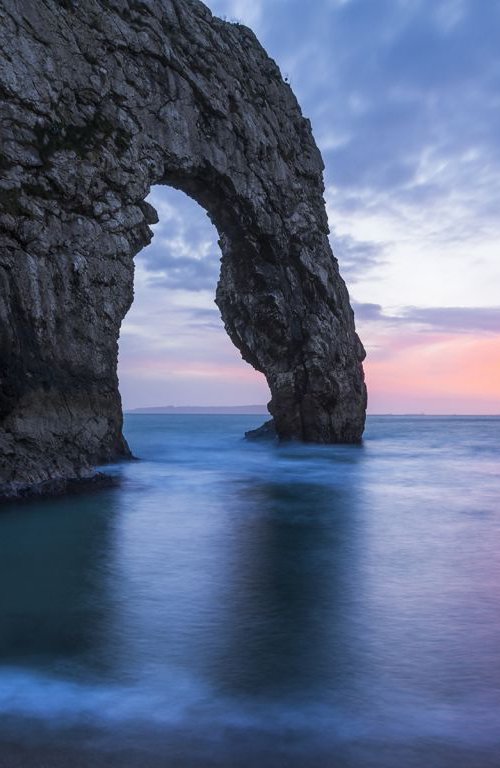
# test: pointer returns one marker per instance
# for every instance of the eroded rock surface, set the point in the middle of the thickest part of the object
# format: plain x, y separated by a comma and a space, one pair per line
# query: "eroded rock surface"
99, 101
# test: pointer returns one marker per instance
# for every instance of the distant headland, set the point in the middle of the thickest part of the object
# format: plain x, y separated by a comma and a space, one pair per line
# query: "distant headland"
217, 409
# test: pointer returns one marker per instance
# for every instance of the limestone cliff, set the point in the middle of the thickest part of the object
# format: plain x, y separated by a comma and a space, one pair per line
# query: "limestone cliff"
100, 100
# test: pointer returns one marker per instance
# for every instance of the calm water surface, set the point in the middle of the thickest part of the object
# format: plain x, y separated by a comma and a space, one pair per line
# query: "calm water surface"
239, 604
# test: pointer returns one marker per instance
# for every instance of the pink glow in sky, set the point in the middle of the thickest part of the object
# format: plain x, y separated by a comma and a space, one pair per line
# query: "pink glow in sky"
441, 374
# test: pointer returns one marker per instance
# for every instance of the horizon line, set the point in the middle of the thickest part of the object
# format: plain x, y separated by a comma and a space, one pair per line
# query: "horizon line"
249, 409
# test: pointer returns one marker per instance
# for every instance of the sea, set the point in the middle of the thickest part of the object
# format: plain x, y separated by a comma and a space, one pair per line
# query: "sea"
232, 603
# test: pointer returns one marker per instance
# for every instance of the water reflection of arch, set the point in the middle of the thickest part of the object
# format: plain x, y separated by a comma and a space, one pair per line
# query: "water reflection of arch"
292, 576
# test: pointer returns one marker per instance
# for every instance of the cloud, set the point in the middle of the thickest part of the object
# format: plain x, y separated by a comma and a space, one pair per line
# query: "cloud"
384, 82
184, 254
183, 272
204, 319
450, 320
356, 257
368, 313
476, 320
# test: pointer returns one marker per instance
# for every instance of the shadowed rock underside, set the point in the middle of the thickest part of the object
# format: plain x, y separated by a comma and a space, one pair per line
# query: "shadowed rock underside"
99, 101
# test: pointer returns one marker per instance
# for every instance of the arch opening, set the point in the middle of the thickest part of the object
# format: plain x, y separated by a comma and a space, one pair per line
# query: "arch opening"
174, 350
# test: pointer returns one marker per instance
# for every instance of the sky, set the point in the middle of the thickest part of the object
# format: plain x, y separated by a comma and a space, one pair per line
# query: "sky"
404, 100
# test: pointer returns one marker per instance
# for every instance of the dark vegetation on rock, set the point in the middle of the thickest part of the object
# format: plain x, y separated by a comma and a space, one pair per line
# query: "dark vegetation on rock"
99, 101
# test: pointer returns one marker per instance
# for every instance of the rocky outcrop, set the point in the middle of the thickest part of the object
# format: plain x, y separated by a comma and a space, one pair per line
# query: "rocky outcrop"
100, 100
265, 432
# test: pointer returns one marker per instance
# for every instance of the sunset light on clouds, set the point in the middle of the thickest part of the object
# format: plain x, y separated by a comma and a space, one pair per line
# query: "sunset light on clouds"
403, 99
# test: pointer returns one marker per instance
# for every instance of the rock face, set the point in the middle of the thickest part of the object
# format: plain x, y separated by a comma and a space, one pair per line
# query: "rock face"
99, 101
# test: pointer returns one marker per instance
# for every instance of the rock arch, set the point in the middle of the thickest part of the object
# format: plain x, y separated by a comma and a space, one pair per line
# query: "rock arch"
101, 100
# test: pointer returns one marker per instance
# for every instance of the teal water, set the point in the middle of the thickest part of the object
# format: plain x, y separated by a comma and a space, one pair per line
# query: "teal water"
241, 604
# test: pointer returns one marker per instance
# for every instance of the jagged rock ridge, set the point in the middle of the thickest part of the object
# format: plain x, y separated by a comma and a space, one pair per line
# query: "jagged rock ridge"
99, 101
